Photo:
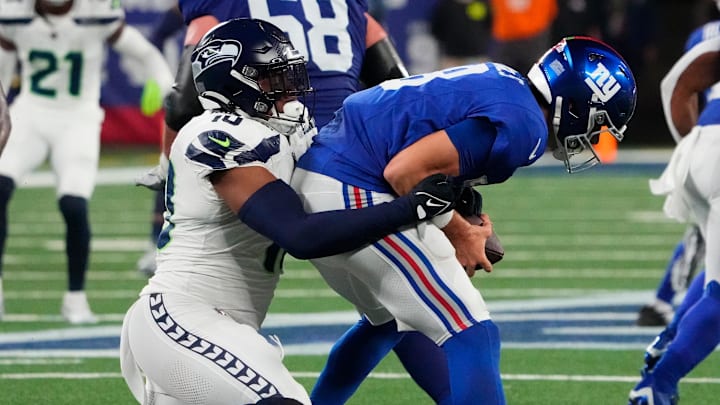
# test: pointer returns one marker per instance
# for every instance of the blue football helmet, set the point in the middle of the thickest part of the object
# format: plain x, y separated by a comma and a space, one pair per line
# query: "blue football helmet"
247, 64
589, 89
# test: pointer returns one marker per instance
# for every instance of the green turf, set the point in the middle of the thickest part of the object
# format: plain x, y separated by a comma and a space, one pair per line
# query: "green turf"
567, 235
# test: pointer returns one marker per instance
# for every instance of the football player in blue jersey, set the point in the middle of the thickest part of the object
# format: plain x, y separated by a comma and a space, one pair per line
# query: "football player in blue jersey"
193, 333
690, 183
346, 49
689, 254
478, 123
60, 45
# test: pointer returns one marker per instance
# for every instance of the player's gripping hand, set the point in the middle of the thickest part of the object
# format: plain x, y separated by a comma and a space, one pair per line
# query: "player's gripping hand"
154, 179
434, 195
470, 202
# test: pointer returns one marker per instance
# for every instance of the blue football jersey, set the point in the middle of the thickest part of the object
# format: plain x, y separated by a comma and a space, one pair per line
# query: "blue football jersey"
710, 114
330, 34
375, 124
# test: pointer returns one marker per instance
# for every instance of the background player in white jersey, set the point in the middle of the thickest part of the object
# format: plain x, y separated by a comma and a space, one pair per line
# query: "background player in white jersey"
60, 46
4, 120
689, 254
229, 214
690, 182
478, 123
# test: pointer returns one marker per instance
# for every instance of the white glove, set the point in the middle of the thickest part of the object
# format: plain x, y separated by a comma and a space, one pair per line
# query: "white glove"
296, 123
154, 179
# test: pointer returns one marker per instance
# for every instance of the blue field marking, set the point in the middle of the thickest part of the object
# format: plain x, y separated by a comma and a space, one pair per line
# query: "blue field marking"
569, 324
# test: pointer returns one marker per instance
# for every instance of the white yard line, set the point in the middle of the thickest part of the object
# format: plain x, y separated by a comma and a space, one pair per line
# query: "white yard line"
381, 376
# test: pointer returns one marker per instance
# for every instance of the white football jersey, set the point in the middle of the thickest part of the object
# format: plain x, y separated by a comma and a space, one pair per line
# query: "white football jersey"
62, 56
204, 249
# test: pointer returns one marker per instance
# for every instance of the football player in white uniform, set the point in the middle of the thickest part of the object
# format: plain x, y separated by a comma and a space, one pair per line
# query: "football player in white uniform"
193, 333
4, 120
690, 184
60, 46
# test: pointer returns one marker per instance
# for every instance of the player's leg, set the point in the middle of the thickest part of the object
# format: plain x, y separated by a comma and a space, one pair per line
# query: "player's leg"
659, 345
351, 359
25, 151
146, 264
74, 155
418, 281
434, 381
687, 257
698, 332
660, 311
195, 354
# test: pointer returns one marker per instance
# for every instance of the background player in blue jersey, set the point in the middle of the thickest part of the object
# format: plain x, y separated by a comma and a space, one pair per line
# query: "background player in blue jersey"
690, 183
689, 254
193, 332
478, 123
342, 43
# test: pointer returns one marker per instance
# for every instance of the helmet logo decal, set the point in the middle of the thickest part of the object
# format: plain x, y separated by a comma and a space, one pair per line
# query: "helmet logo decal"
602, 83
217, 51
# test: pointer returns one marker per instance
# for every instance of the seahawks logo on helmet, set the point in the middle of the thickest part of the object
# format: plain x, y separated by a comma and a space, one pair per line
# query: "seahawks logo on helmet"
217, 51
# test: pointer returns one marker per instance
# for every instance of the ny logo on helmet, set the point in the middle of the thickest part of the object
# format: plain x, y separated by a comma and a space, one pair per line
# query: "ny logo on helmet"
217, 51
602, 83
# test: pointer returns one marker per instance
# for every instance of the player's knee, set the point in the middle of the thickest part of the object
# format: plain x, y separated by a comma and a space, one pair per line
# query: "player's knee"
74, 209
278, 401
7, 186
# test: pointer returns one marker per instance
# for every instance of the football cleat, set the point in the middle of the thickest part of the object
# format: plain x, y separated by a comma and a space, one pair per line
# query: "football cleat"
656, 314
656, 349
648, 396
75, 308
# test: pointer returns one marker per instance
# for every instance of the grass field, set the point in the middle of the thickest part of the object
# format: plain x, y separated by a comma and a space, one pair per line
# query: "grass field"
582, 254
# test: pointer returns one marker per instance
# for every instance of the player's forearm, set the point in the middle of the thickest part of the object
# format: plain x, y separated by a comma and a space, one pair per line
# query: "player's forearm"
181, 103
277, 212
132, 43
694, 72
382, 61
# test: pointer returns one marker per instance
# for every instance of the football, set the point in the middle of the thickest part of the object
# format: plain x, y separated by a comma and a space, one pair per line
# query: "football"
493, 248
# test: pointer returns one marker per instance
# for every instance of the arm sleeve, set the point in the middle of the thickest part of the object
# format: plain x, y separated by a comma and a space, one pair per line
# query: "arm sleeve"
381, 62
132, 43
474, 139
181, 103
275, 210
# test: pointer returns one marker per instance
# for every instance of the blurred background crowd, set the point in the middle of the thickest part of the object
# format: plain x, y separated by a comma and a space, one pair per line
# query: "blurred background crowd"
434, 34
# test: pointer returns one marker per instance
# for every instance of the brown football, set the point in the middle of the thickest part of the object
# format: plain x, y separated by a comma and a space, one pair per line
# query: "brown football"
493, 248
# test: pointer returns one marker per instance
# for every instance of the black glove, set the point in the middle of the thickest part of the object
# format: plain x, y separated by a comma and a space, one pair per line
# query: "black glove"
434, 195
470, 202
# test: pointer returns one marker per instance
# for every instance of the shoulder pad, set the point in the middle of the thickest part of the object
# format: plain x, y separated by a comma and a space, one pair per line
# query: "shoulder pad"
94, 12
218, 150
16, 11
